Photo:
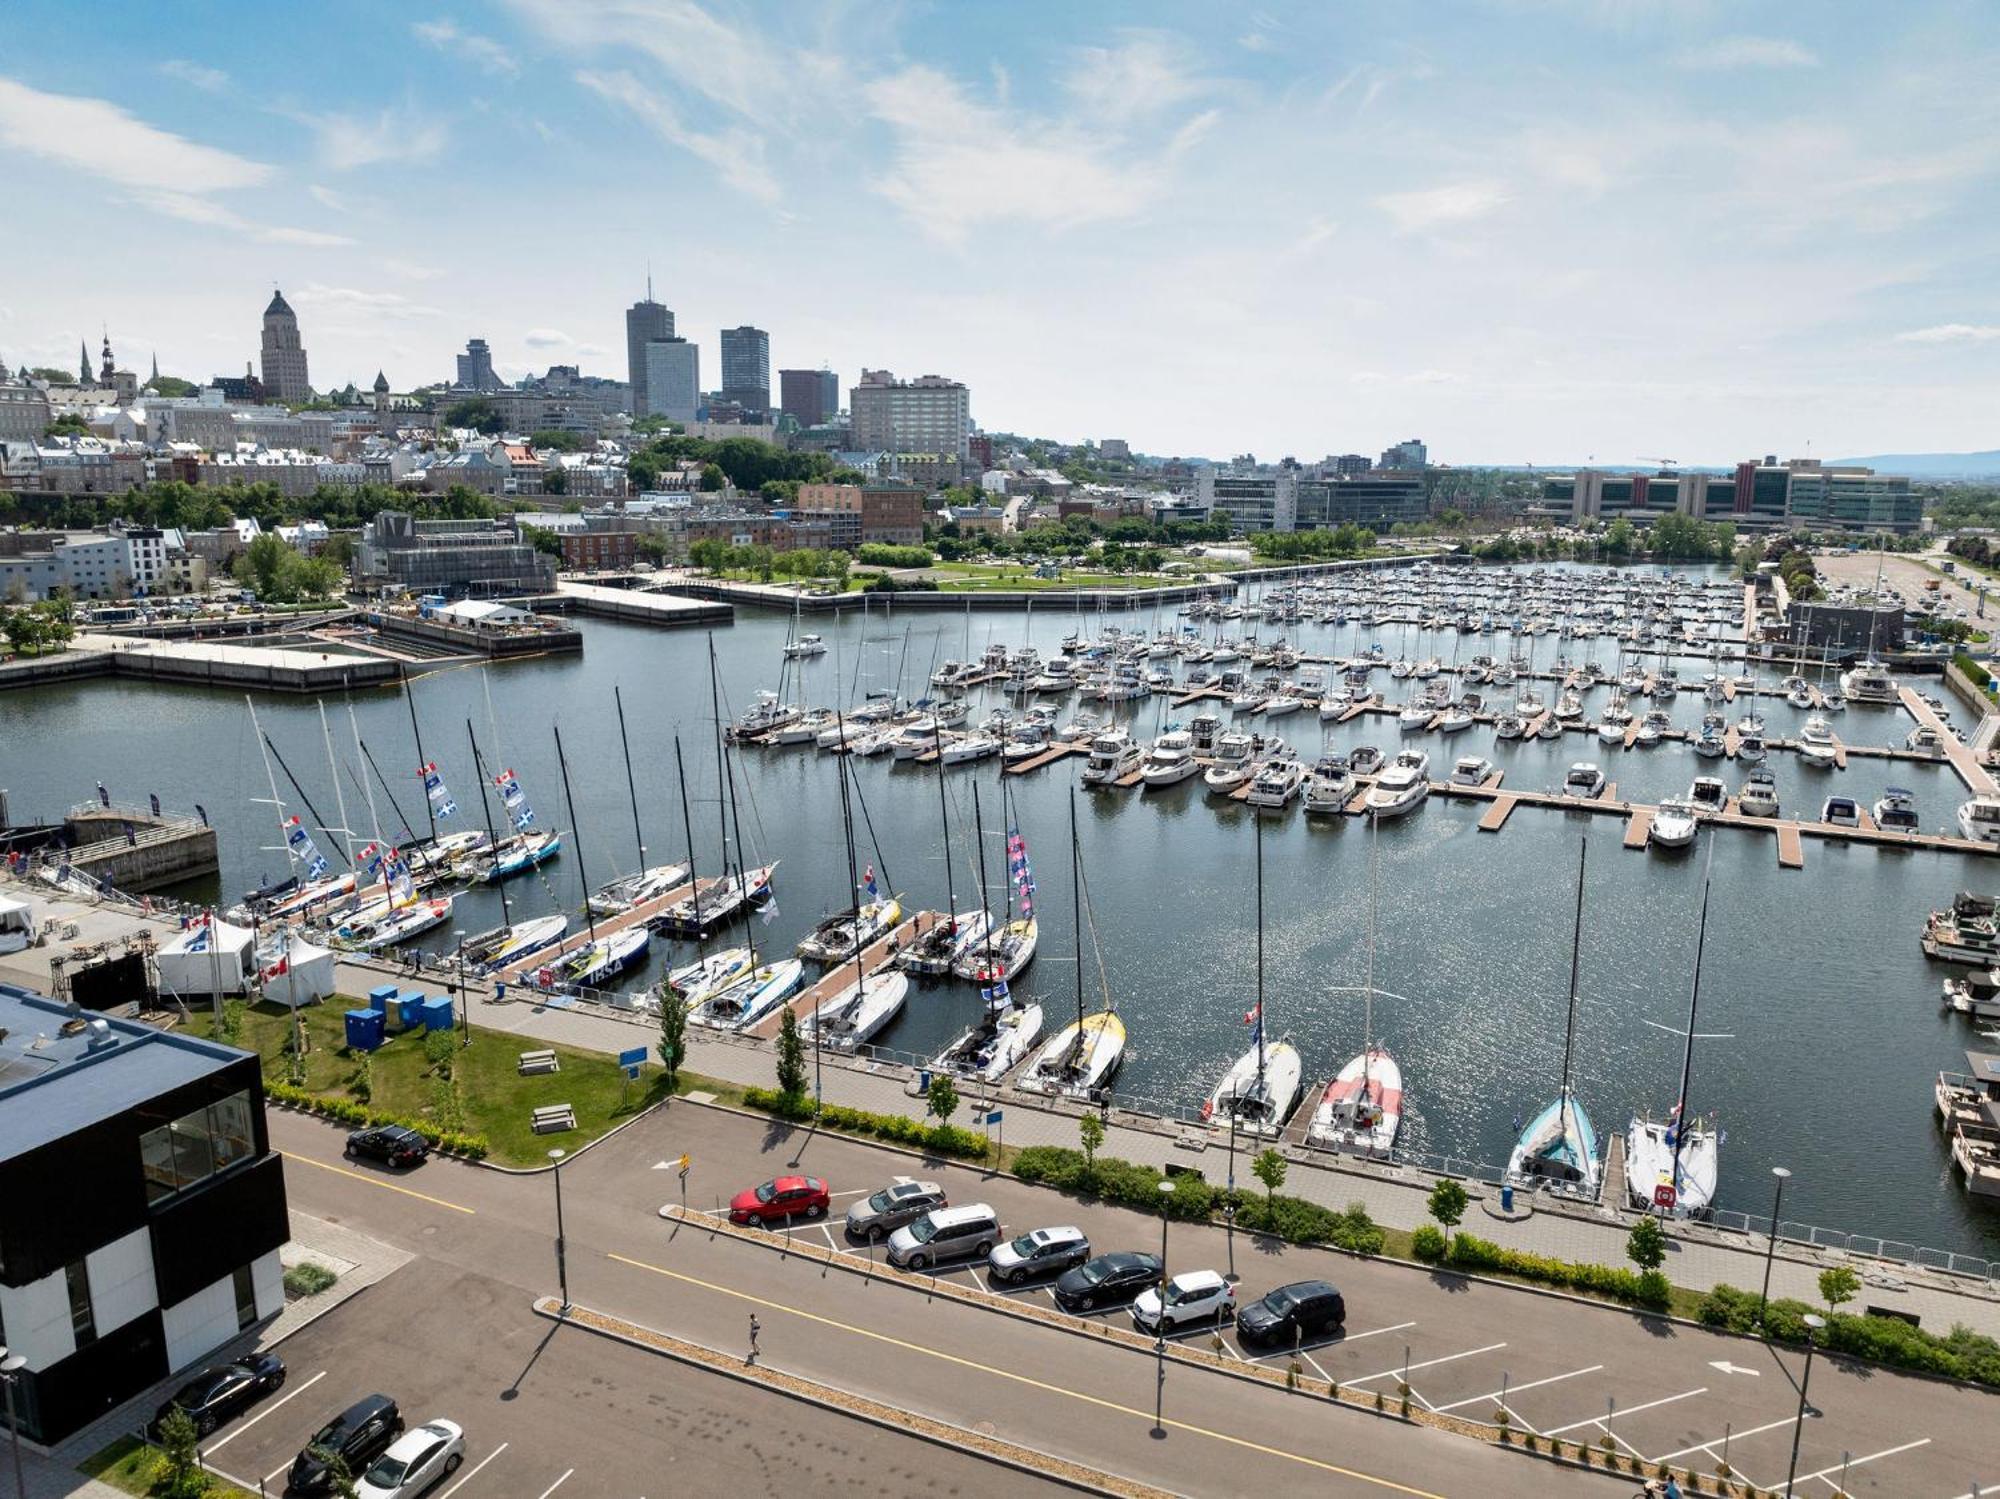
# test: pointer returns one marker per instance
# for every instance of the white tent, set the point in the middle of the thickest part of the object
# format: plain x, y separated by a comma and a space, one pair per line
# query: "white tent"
303, 976
210, 957
17, 924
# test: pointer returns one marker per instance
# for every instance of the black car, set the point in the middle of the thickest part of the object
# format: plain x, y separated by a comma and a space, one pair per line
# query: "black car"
215, 1395
1108, 1280
358, 1435
1305, 1308
392, 1144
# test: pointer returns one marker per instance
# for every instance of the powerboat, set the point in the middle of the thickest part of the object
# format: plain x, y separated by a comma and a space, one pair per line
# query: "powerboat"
1816, 742
1113, 756
1259, 1091
1708, 795
1364, 760
1584, 780
1362, 1108
1472, 770
1400, 787
1925, 740
1870, 682
752, 997
1675, 823
838, 938
805, 645
851, 1018
1169, 761
1654, 726
1081, 1058
1330, 786
1750, 748
1977, 995
1276, 783
1759, 796
1979, 819
1840, 812
1896, 811
1967, 932
1233, 764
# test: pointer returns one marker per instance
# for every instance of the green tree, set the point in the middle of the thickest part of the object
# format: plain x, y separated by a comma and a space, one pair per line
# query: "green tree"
69, 424
653, 547
642, 472
1619, 537
1646, 1245
1838, 1286
181, 1475
673, 1031
1269, 1168
557, 440
712, 476
478, 413
791, 1056
339, 1477
266, 565
543, 540
1090, 1135
941, 1102
1447, 1204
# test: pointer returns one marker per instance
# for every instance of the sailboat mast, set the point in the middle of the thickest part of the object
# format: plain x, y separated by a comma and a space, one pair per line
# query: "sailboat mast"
1368, 999
410, 697
277, 806
721, 766
1575, 962
333, 769
742, 870
1076, 908
576, 833
492, 838
631, 790
944, 822
374, 819
687, 822
1260, 956
985, 890
1682, 1119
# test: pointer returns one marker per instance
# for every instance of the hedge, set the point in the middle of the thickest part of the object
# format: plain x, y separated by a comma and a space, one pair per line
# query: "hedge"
1468, 1252
1292, 1219
941, 1139
346, 1111
1959, 1354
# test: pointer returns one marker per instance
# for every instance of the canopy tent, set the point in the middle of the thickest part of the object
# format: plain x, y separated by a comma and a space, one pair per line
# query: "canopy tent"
303, 976
17, 924
208, 957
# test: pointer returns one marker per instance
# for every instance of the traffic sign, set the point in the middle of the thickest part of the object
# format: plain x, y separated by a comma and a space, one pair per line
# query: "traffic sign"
632, 1061
1664, 1195
994, 1117
685, 1162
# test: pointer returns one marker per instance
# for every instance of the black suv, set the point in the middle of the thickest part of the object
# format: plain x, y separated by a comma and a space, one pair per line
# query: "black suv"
392, 1144
358, 1435
1305, 1308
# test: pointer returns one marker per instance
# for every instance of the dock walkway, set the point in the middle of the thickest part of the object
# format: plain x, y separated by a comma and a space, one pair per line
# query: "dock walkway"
873, 961
579, 935
1978, 779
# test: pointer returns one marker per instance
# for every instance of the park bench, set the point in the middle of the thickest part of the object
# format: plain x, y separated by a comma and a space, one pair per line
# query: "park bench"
534, 1062
554, 1118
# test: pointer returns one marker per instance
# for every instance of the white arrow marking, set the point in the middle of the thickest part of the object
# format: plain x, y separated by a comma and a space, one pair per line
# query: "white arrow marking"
1726, 1367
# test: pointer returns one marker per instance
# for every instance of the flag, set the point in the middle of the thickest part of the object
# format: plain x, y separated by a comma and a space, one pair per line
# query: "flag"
769, 912
278, 969
442, 805
103, 795
397, 872
868, 882
201, 930
201, 812
515, 800
994, 993
154, 798
371, 859
1019, 870
301, 844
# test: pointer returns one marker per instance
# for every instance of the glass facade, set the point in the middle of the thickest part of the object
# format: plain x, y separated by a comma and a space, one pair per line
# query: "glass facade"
196, 1146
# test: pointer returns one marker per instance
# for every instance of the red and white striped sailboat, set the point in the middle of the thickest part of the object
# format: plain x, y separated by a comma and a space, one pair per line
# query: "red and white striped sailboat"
1362, 1108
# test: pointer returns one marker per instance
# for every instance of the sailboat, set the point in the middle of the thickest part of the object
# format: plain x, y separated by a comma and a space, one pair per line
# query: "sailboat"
1558, 1149
511, 941
1000, 956
648, 882
1671, 1164
604, 956
994, 1044
1084, 1054
946, 941
1362, 1108
1260, 1090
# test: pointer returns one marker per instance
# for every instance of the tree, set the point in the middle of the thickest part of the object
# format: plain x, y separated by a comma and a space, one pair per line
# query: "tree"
478, 413
942, 1100
339, 1477
542, 540
673, 1031
319, 576
1269, 1168
642, 472
264, 565
1447, 1204
791, 1056
653, 547
712, 476
1619, 537
1646, 1245
181, 1475
1090, 1134
69, 424
1838, 1286
556, 439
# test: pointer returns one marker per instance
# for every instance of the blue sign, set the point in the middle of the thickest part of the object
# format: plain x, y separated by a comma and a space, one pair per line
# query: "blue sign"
993, 1118
632, 1058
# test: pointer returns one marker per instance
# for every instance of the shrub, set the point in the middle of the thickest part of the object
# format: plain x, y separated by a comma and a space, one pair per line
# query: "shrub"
1649, 1289
940, 1139
438, 1049
1960, 1354
1427, 1244
308, 1279
347, 1111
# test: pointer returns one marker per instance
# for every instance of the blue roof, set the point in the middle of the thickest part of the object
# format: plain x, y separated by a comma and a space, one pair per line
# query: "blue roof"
53, 1084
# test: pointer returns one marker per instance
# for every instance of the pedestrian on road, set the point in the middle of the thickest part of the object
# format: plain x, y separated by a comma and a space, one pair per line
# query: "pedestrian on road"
754, 1326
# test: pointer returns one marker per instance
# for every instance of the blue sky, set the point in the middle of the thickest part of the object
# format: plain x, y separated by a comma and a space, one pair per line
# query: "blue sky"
1526, 230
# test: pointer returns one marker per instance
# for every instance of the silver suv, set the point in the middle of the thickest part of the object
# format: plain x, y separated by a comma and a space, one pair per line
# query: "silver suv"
947, 1234
1042, 1252
903, 1200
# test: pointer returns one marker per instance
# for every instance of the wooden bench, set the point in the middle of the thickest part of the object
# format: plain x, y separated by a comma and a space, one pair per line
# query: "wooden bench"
534, 1062
553, 1119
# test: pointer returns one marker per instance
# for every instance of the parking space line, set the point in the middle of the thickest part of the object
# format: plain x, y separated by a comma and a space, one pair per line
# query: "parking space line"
1709, 1445
362, 1176
474, 1473
1428, 1363
1514, 1389
1633, 1410
557, 1484
1855, 1462
1316, 1368
1984, 1488
827, 1229
856, 1192
218, 1446
1374, 1332
977, 1279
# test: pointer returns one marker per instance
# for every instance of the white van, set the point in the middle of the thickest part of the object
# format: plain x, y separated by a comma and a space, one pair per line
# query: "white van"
947, 1234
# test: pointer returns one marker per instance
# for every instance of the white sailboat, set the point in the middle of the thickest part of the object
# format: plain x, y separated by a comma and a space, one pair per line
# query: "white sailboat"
1362, 1108
1259, 1091
1558, 1150
852, 1017
1081, 1059
1671, 1164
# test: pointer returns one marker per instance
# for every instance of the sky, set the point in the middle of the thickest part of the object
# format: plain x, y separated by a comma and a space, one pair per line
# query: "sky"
1527, 231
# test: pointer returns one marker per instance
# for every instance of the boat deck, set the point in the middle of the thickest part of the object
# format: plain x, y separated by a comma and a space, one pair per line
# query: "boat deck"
579, 935
1049, 756
1614, 1171
873, 960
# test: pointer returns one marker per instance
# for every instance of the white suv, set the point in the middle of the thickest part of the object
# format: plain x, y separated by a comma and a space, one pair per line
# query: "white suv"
1192, 1296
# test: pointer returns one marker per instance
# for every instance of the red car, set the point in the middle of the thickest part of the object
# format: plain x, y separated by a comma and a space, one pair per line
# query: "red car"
775, 1201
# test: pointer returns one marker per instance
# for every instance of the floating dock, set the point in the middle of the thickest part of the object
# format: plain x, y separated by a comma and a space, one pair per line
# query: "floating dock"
874, 959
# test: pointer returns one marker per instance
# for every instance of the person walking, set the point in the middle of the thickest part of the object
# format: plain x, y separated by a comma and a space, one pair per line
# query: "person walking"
754, 1328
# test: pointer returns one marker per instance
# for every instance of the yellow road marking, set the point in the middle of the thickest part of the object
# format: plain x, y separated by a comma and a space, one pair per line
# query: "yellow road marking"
362, 1176
951, 1358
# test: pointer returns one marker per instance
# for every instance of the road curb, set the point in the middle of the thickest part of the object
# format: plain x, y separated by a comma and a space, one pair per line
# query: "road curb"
996, 1450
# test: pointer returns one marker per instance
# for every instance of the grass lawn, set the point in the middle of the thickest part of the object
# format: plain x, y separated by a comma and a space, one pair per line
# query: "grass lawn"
129, 1465
494, 1100
974, 577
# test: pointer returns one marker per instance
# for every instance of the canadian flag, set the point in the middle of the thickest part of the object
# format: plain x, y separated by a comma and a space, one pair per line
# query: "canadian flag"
280, 968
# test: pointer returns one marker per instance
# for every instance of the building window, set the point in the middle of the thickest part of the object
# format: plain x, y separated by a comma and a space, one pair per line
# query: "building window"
196, 1146
82, 1321
246, 1297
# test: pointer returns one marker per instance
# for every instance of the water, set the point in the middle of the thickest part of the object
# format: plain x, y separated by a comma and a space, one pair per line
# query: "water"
1814, 976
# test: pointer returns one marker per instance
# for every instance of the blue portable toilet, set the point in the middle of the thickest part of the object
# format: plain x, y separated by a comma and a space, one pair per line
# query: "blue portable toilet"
378, 999
364, 1030
437, 1013
407, 1013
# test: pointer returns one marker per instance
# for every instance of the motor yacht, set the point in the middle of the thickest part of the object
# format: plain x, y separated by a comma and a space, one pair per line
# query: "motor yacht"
1979, 819
1584, 780
967, 749
1925, 740
1709, 795
1113, 756
1870, 682
1840, 812
1472, 770
1169, 760
1759, 795
1364, 760
1675, 822
1895, 811
1816, 743
1276, 783
1966, 932
1401, 787
1330, 787
1233, 764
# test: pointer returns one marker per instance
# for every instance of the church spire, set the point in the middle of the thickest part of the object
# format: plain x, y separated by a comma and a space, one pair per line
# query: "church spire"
83, 360
156, 368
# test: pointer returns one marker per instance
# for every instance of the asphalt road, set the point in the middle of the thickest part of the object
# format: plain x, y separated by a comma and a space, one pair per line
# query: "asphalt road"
1572, 1370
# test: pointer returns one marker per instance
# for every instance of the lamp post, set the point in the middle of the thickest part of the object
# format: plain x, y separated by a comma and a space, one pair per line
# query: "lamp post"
1229, 1207
11, 1365
1771, 1249
562, 1261
464, 995
1813, 1324
1160, 1332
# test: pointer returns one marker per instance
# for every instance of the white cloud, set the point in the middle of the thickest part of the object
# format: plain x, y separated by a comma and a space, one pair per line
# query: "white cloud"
1747, 52
1414, 377
736, 153
326, 197
1951, 333
350, 141
354, 299
197, 75
732, 66
411, 270
190, 208
545, 338
97, 137
1144, 76
482, 51
1435, 207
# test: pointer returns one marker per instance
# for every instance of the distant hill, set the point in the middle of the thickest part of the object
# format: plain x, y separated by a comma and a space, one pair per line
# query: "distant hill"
1933, 465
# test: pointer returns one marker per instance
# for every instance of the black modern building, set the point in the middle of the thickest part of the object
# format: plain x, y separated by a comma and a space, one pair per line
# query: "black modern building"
141, 1206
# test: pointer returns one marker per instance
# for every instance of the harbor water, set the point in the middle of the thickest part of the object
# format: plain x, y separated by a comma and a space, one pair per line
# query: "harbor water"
1827, 1029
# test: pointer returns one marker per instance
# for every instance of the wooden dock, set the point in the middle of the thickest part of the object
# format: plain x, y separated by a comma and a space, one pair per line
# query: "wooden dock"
1978, 779
1614, 1171
1639, 830
1049, 756
1749, 611
1355, 710
1496, 816
1839, 754
578, 936
873, 960
1791, 853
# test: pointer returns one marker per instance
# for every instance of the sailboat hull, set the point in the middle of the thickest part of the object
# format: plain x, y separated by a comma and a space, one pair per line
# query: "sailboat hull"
1558, 1152
1649, 1164
1080, 1060
1259, 1108
1362, 1108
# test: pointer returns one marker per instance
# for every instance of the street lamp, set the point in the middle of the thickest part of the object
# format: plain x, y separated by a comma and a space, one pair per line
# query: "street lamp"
11, 1365
562, 1262
1771, 1249
1160, 1332
1813, 1324
464, 995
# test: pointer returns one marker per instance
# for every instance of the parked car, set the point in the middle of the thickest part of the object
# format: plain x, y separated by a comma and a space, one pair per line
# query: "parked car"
216, 1395
1038, 1252
1192, 1296
1108, 1280
392, 1144
904, 1200
947, 1234
358, 1435
415, 1461
1305, 1308
781, 1198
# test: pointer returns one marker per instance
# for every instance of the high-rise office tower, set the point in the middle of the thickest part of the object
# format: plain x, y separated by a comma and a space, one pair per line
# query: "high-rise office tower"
284, 356
672, 367
475, 367
644, 322
746, 367
809, 396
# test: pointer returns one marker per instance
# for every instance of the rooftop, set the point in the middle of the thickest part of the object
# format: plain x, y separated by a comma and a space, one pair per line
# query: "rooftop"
63, 1070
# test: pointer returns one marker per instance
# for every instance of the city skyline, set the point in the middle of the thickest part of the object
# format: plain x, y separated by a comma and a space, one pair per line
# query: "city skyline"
1533, 232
